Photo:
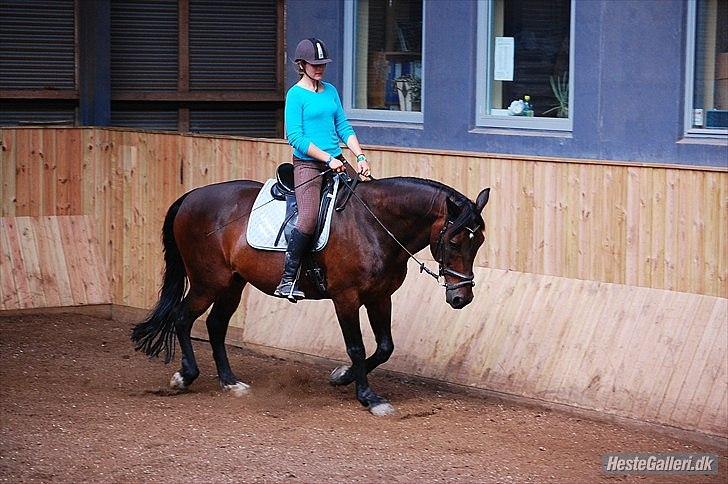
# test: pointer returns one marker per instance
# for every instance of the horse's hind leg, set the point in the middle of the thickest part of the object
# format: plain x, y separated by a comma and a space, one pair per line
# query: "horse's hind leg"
380, 318
193, 305
217, 324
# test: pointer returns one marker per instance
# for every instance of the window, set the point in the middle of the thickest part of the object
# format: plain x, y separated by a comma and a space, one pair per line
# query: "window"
706, 103
525, 64
383, 73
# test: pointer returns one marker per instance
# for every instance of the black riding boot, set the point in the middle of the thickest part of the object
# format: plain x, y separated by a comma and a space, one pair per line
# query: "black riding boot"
288, 286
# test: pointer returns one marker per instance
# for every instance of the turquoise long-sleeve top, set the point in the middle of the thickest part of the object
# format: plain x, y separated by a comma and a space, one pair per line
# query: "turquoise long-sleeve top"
315, 117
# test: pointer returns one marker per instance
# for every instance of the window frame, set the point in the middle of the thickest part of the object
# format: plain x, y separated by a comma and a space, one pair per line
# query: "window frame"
379, 115
690, 44
483, 88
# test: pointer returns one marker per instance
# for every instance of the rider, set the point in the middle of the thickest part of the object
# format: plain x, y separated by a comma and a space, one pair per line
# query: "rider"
315, 121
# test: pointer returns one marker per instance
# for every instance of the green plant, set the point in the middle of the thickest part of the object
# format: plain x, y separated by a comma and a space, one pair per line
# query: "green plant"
560, 88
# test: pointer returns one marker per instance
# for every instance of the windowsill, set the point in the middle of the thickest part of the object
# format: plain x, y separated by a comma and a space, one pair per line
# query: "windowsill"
695, 139
539, 133
369, 123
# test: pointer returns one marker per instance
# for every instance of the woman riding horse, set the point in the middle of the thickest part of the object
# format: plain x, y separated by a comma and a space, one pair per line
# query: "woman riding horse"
315, 121
208, 260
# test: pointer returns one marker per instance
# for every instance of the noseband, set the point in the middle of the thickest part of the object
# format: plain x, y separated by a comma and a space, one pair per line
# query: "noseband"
442, 251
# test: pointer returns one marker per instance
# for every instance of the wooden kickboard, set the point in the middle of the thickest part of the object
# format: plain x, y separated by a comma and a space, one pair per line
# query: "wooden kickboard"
50, 261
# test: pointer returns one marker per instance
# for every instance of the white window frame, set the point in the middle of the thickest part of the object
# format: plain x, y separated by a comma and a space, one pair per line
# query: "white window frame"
483, 87
411, 117
691, 30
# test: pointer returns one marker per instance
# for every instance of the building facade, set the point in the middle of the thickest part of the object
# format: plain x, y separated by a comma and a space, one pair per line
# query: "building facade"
625, 80
638, 81
205, 66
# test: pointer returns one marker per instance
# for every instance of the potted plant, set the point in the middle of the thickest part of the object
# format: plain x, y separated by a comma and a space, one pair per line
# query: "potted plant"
560, 88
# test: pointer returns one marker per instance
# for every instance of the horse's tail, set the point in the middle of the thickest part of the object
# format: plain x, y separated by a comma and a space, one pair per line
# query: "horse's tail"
157, 332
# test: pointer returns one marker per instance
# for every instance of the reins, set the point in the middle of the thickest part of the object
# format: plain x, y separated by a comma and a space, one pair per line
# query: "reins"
422, 265
466, 280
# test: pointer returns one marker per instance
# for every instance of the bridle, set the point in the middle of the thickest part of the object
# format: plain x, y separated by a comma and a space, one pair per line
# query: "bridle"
442, 254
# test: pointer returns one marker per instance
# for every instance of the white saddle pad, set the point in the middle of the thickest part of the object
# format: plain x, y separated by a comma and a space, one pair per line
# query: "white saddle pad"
267, 217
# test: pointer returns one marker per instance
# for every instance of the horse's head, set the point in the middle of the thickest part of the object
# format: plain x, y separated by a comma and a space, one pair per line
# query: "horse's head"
456, 245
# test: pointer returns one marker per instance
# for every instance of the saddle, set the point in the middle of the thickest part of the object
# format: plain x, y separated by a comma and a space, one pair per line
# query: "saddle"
284, 190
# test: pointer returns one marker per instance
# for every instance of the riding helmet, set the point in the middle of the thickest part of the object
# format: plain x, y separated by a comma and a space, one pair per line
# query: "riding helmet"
312, 51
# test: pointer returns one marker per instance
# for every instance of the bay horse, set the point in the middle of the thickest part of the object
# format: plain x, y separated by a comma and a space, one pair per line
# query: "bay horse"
205, 244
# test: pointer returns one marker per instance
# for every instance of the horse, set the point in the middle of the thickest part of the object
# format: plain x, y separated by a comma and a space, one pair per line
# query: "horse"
208, 263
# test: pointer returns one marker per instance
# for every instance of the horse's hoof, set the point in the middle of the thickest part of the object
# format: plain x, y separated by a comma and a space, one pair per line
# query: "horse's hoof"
238, 389
177, 382
335, 378
382, 409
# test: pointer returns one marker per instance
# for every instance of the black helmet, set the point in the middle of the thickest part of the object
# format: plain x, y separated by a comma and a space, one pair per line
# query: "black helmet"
312, 51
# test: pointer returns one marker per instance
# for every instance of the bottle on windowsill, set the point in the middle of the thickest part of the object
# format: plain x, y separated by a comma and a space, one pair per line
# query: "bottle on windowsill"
528, 108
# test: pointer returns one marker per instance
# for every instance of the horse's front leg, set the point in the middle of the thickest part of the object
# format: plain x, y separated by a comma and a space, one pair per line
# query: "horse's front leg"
380, 318
347, 312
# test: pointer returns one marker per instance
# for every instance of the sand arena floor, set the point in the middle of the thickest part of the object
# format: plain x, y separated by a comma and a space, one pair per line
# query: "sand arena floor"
79, 405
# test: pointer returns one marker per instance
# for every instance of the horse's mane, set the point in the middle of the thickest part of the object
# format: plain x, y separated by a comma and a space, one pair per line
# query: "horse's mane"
469, 213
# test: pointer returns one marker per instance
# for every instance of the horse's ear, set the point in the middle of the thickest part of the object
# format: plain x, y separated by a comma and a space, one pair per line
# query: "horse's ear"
482, 199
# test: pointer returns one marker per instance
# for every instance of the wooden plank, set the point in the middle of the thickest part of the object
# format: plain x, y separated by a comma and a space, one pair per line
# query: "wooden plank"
633, 228
546, 321
665, 348
8, 163
47, 261
555, 378
74, 263
23, 182
48, 178
63, 281
91, 266
697, 235
687, 353
25, 232
659, 218
9, 288
644, 350
646, 257
712, 378
35, 170
693, 383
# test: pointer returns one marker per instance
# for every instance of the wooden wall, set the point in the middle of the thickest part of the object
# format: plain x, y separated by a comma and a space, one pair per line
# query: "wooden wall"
647, 226
49, 262
601, 285
648, 354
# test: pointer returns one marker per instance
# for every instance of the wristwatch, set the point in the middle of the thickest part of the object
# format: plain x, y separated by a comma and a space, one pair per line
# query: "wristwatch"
361, 158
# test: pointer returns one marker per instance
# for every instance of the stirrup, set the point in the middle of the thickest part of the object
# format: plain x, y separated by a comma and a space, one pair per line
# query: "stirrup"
289, 291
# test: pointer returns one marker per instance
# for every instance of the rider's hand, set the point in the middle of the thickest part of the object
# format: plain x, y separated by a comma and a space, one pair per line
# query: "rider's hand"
362, 166
336, 165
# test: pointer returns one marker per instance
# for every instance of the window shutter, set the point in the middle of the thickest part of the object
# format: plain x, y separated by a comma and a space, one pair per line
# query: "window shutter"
37, 44
144, 45
160, 119
257, 122
233, 44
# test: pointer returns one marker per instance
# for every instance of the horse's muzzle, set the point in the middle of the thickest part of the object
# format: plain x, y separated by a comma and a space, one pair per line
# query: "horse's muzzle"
459, 298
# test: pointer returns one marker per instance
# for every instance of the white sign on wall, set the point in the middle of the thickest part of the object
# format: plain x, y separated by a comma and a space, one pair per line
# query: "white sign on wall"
503, 59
